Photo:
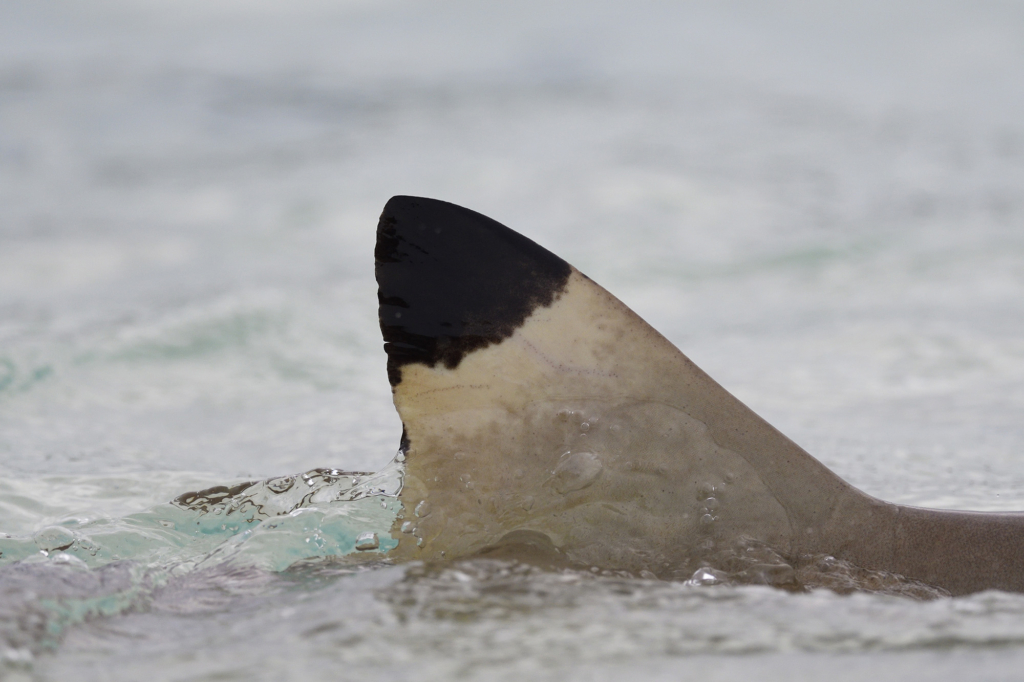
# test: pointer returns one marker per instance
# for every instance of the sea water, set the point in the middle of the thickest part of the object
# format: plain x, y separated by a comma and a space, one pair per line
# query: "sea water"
822, 204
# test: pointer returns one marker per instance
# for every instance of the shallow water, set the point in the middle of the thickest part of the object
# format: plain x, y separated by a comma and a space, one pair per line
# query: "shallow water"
822, 205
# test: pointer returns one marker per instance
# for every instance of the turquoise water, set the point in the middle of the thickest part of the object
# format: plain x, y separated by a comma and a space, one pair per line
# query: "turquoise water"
267, 524
820, 204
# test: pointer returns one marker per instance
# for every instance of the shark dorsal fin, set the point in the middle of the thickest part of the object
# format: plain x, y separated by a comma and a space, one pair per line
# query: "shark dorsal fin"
534, 401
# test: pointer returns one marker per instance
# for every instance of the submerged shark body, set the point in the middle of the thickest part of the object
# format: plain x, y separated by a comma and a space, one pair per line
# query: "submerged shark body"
539, 409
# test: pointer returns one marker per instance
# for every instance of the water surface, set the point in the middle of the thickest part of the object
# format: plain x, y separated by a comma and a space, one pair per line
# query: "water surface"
822, 205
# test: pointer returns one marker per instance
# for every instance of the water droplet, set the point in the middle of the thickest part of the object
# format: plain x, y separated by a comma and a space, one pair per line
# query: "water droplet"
366, 541
400, 457
584, 427
383, 504
280, 485
423, 509
419, 542
707, 520
408, 527
711, 504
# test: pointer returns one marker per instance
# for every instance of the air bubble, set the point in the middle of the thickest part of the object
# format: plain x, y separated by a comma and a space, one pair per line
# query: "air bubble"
67, 560
419, 542
707, 576
707, 520
711, 504
54, 539
584, 427
576, 471
423, 509
367, 541
408, 527
281, 485
705, 490
383, 504
400, 457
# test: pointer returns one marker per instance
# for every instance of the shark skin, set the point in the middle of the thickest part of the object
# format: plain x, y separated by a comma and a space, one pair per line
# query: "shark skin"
539, 409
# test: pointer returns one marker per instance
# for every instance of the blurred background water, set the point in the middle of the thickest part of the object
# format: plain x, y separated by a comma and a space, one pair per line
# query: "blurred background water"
821, 203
